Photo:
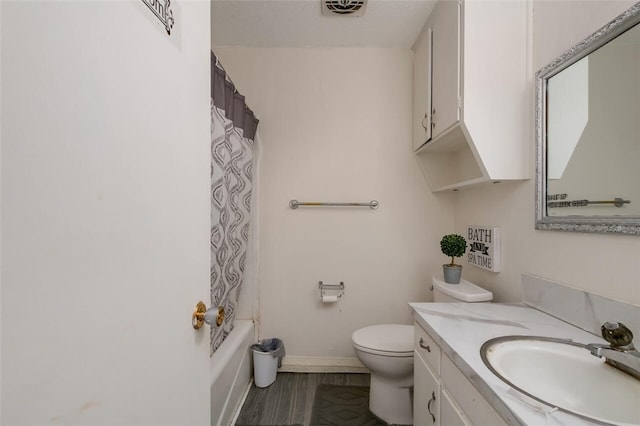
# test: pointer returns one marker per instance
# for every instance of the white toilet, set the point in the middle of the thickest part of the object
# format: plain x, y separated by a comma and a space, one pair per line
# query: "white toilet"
387, 351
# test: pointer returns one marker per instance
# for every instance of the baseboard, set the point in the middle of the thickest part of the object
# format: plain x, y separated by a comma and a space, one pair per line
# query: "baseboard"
313, 364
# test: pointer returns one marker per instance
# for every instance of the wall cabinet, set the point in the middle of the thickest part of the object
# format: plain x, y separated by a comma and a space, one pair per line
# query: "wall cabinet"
442, 394
421, 89
471, 104
436, 74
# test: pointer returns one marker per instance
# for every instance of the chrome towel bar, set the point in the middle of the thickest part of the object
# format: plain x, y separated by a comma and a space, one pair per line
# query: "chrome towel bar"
294, 204
618, 202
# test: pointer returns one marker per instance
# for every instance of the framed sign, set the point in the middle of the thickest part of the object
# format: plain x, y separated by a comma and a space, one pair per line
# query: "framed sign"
162, 10
484, 247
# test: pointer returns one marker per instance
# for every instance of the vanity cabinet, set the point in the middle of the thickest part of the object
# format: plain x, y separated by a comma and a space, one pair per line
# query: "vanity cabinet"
442, 394
471, 87
426, 394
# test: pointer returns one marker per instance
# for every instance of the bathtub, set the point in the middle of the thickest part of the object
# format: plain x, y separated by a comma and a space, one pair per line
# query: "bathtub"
231, 372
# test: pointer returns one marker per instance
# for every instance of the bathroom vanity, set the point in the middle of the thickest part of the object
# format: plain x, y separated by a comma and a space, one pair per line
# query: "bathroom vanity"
452, 385
442, 394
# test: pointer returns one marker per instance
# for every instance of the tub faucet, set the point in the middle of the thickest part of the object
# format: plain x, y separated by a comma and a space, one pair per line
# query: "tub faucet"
621, 353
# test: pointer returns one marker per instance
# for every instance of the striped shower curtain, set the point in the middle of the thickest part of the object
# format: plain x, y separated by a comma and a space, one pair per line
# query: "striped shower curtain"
233, 128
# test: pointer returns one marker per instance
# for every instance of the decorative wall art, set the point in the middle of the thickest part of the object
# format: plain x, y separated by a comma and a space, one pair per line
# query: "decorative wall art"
162, 10
483, 250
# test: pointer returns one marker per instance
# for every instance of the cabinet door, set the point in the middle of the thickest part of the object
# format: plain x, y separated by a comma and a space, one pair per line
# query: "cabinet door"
426, 394
450, 415
445, 79
467, 397
421, 89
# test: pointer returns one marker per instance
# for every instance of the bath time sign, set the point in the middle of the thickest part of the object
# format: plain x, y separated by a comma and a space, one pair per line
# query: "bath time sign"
483, 248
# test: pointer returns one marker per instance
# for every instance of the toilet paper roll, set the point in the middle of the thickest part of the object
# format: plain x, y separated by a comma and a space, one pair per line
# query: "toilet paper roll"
329, 298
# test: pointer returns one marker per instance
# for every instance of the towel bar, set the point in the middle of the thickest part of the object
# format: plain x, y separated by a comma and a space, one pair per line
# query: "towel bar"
294, 204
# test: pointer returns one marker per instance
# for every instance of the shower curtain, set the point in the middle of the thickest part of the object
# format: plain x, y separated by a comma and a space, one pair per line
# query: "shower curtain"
233, 128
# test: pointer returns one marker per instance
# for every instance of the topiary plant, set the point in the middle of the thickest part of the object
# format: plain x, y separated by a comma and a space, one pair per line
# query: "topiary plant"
453, 245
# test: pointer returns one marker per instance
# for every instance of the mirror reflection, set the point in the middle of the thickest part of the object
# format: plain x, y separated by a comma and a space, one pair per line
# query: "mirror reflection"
593, 133
588, 133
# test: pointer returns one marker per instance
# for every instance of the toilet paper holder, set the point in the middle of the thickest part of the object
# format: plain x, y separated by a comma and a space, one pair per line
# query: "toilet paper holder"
331, 289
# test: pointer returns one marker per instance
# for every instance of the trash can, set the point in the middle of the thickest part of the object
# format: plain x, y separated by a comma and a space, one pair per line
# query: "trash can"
267, 357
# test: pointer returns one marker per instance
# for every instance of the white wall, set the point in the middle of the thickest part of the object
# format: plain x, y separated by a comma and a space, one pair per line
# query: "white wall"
105, 213
335, 125
607, 265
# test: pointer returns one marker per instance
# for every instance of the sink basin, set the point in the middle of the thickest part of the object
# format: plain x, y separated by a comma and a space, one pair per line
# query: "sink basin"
564, 375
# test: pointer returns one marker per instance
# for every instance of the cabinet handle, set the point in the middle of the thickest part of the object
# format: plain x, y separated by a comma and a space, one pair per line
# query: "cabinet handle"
423, 125
431, 401
423, 346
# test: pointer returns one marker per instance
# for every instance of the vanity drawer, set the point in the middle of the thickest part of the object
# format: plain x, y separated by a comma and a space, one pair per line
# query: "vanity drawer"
427, 347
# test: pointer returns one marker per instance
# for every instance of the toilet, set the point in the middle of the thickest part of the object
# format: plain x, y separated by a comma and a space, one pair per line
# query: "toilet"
387, 351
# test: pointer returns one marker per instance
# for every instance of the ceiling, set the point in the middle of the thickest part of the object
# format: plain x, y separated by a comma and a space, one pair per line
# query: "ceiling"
299, 23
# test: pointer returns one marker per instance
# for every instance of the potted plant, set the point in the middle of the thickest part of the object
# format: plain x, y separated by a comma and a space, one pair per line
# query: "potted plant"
453, 245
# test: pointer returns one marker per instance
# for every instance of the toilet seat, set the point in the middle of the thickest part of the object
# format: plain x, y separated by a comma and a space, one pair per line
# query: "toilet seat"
393, 340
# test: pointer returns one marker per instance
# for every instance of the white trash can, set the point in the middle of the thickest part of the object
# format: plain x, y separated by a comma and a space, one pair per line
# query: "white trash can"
265, 368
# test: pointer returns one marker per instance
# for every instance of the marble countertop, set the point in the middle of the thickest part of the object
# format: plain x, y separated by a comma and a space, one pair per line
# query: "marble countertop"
461, 328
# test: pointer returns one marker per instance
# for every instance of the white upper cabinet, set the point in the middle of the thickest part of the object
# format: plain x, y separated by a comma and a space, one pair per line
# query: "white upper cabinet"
445, 66
421, 86
471, 93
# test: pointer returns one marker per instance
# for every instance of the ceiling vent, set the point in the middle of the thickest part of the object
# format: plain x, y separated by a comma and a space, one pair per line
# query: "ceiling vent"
343, 7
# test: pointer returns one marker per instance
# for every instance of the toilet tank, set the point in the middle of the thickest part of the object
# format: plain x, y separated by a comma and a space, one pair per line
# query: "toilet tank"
464, 292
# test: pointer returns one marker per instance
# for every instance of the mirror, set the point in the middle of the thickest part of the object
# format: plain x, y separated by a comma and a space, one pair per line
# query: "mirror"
588, 133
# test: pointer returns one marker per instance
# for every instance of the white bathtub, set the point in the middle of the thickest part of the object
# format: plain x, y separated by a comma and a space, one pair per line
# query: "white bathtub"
231, 372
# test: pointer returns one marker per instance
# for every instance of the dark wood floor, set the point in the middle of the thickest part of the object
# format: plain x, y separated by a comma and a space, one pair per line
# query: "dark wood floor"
289, 400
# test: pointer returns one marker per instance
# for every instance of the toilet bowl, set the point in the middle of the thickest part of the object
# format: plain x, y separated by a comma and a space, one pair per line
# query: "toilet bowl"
387, 351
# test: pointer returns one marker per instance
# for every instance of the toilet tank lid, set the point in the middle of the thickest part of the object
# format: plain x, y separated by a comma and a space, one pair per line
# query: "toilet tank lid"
464, 292
385, 337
